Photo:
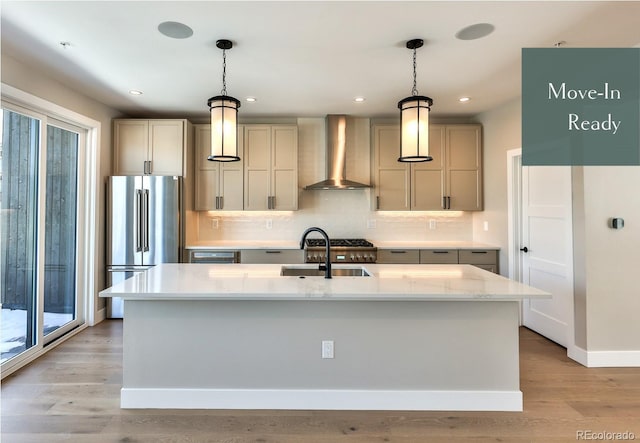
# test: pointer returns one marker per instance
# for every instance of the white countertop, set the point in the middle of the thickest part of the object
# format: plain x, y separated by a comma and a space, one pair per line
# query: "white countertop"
288, 244
433, 245
249, 244
263, 282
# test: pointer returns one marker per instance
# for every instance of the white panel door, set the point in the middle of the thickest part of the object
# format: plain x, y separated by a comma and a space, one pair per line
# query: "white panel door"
548, 259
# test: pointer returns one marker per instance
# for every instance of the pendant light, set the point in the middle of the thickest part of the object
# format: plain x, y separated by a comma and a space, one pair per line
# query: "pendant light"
224, 117
414, 119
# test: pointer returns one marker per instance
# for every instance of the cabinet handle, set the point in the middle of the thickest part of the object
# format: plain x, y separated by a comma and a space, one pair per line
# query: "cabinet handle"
221, 202
440, 252
448, 202
273, 202
150, 167
272, 252
377, 202
444, 202
398, 252
145, 171
268, 202
478, 252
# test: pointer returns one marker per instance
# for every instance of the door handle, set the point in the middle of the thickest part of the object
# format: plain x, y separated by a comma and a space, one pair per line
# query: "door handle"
525, 249
145, 226
138, 220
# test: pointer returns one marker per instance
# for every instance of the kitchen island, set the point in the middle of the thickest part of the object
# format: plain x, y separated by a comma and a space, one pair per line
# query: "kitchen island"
412, 337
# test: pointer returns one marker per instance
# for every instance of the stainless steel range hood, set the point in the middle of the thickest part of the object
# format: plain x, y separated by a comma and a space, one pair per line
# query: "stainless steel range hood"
337, 127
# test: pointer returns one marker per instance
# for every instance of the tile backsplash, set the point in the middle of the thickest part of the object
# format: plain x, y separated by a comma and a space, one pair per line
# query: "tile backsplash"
343, 214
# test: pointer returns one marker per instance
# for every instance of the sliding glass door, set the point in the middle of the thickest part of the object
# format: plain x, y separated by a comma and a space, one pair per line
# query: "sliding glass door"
39, 230
61, 201
18, 232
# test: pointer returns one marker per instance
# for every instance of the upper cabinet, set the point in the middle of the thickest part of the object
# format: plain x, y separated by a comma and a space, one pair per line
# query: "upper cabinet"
270, 167
218, 185
154, 147
451, 181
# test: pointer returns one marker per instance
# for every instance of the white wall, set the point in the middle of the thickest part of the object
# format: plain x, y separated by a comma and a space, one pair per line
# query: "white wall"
607, 294
341, 213
35, 82
611, 258
501, 129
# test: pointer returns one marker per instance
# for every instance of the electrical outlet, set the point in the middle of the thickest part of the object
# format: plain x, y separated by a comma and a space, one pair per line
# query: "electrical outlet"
432, 224
371, 224
485, 225
269, 223
214, 223
327, 348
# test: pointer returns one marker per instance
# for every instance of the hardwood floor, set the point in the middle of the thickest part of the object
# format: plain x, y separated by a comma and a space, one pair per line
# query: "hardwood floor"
72, 395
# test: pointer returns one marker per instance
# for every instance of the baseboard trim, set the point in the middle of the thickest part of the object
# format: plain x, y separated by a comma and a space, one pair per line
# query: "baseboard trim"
604, 359
135, 398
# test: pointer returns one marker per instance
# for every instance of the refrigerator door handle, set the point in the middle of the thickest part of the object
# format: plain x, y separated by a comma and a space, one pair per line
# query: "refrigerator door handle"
138, 220
145, 221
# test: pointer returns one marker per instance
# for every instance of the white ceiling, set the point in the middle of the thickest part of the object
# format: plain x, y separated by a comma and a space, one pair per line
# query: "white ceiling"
300, 58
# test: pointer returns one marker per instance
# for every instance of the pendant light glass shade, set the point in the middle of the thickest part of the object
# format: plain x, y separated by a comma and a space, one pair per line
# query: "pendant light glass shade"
224, 117
414, 119
414, 124
224, 128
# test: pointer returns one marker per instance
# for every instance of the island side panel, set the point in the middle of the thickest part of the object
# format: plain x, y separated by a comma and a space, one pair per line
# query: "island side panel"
209, 347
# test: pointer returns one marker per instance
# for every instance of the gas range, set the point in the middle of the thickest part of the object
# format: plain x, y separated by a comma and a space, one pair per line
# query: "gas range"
349, 250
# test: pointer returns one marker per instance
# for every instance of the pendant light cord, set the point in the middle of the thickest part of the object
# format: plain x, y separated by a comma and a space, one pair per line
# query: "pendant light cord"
224, 72
414, 90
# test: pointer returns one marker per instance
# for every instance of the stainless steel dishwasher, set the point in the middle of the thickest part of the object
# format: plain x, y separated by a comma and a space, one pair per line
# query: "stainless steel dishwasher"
214, 256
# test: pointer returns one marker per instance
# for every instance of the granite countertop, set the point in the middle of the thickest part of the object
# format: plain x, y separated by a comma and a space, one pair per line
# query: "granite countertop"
263, 282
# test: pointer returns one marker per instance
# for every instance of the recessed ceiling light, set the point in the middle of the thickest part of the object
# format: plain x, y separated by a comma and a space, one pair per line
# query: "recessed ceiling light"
175, 30
359, 99
475, 32
251, 99
135, 92
464, 99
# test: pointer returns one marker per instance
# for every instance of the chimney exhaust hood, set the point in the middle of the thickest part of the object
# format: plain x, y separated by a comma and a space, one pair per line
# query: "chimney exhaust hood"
335, 156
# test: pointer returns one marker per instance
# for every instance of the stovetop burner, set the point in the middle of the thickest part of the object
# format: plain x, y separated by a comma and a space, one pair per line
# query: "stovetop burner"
337, 242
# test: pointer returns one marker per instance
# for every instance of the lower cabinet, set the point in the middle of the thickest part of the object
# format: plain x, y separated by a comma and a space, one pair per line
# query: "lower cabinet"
439, 256
398, 256
482, 258
272, 256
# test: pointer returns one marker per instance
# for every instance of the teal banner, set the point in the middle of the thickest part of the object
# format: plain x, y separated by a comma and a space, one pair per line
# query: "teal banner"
580, 106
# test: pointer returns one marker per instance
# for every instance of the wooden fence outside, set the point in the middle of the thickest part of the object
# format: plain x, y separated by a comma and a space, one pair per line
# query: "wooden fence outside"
19, 219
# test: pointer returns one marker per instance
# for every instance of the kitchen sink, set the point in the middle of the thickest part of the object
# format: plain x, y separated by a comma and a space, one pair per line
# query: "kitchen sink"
290, 271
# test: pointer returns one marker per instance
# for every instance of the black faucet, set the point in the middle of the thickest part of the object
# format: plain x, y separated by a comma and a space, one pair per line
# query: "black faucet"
327, 254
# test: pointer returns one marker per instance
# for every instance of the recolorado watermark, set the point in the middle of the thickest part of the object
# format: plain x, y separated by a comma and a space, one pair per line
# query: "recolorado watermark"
587, 434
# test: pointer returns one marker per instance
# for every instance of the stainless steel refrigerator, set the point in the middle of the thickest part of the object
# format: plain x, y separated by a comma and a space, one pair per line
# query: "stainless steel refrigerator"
143, 227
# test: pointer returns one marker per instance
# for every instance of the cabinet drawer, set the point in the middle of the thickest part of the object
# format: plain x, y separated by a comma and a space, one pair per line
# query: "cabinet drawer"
281, 256
490, 268
398, 256
478, 256
438, 256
